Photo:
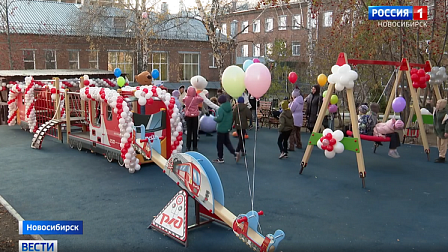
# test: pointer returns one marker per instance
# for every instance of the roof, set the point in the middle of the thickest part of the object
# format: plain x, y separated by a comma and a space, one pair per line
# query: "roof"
54, 18
50, 73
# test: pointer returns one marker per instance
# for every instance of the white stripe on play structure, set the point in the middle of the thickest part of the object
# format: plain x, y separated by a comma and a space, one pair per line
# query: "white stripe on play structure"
16, 215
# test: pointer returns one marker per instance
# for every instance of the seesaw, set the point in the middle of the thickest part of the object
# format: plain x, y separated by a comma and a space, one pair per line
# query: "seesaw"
198, 178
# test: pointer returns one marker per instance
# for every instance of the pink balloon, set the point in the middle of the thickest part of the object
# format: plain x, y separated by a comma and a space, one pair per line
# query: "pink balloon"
257, 79
325, 142
333, 108
256, 61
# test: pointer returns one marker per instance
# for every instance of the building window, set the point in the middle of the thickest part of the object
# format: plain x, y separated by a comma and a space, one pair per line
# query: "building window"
159, 61
233, 27
328, 19
212, 61
245, 51
93, 60
268, 49
312, 23
50, 59
29, 59
120, 23
256, 52
122, 60
282, 23
345, 17
295, 48
73, 59
296, 22
224, 29
189, 65
245, 26
269, 24
256, 26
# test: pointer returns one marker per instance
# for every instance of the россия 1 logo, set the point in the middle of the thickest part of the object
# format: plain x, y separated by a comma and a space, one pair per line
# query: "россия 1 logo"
398, 12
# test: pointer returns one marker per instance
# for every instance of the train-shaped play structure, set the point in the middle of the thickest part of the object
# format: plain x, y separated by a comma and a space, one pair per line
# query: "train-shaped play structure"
133, 126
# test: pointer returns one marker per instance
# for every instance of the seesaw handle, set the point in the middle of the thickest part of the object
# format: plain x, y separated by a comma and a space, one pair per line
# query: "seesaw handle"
242, 219
144, 140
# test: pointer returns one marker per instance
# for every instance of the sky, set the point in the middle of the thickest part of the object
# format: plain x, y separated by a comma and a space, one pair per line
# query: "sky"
173, 5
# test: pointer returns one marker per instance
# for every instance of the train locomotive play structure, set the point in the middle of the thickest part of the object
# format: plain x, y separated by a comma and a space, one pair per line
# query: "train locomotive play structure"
136, 125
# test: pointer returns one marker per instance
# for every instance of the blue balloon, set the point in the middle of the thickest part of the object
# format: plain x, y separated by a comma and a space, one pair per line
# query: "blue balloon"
155, 74
117, 72
246, 64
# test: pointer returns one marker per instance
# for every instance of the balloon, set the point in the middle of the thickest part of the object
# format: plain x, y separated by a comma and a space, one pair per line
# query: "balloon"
414, 77
352, 74
330, 147
398, 104
334, 69
339, 87
338, 148
233, 81
332, 78
325, 142
415, 84
121, 81
322, 80
330, 154
332, 141
246, 64
256, 61
338, 135
344, 69
292, 77
207, 124
333, 108
117, 72
257, 80
198, 82
319, 144
155, 74
334, 99
442, 69
324, 94
434, 69
421, 73
144, 15
326, 132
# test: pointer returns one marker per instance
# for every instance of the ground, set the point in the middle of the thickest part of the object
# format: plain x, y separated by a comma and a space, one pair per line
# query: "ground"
403, 207
9, 233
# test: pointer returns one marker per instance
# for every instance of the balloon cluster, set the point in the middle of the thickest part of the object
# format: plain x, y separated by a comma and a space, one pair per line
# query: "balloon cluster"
437, 75
256, 79
332, 108
14, 91
419, 78
331, 142
398, 104
99, 83
147, 95
30, 114
343, 77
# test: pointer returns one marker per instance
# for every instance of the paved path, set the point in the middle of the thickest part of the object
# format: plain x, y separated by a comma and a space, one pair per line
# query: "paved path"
325, 209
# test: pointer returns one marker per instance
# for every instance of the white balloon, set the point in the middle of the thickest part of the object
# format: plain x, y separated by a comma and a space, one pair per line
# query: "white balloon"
338, 147
127, 161
434, 69
179, 128
126, 135
330, 154
121, 121
175, 133
353, 75
331, 79
124, 115
172, 121
123, 141
128, 129
142, 101
338, 87
174, 151
167, 103
319, 144
338, 135
137, 167
126, 108
344, 69
138, 93
148, 95
334, 69
179, 148
128, 156
350, 84
344, 79
326, 131
131, 170
442, 69
121, 145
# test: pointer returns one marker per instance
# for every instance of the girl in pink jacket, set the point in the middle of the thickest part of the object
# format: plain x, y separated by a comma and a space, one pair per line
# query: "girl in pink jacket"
387, 129
192, 101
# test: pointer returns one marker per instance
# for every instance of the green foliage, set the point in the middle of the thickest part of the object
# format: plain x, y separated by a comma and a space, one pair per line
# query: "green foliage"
279, 70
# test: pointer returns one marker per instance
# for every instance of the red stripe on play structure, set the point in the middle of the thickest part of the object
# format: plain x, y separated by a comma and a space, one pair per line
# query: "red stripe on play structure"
371, 138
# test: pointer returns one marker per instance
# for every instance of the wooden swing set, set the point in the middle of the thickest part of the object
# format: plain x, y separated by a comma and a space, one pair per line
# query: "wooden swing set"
352, 144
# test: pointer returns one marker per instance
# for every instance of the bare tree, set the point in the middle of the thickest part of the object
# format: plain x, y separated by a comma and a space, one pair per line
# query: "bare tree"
6, 10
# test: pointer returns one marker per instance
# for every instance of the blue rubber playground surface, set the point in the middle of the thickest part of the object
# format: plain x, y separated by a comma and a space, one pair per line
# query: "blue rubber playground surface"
403, 208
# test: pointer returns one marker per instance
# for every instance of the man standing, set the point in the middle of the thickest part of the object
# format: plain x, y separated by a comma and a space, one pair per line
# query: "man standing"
253, 105
182, 94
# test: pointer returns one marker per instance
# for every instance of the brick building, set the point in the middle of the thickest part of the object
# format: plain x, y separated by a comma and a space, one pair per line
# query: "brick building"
47, 35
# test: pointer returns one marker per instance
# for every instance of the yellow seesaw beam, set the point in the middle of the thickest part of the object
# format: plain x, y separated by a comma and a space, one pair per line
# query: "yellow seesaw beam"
223, 213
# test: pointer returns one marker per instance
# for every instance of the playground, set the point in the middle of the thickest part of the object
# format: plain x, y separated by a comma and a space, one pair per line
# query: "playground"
325, 208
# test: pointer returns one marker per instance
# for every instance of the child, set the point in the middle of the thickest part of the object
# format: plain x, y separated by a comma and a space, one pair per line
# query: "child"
365, 122
286, 124
441, 129
296, 107
241, 114
192, 101
388, 129
224, 120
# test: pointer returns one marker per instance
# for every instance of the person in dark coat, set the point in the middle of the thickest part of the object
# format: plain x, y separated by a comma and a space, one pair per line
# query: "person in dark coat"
314, 102
241, 114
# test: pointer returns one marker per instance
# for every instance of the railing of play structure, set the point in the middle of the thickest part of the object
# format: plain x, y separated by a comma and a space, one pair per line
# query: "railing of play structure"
45, 109
78, 108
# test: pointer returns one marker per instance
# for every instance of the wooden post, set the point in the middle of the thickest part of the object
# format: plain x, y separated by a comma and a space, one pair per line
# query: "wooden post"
416, 107
318, 124
437, 92
67, 114
411, 114
83, 105
58, 107
392, 96
355, 130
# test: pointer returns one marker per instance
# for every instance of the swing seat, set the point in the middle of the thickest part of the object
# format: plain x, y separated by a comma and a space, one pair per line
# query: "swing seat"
376, 139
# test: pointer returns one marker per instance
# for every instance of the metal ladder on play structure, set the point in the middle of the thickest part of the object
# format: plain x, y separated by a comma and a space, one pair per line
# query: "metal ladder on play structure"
38, 137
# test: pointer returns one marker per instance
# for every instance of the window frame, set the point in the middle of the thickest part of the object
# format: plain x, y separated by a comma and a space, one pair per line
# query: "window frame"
73, 61
245, 27
183, 64
97, 59
254, 46
55, 58
224, 29
271, 46
29, 61
256, 26
111, 66
212, 59
297, 25
293, 45
245, 50
271, 23
328, 19
160, 63
282, 25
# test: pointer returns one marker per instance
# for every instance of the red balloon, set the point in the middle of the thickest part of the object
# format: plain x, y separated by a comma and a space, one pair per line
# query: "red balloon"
171, 106
145, 90
329, 136
53, 91
86, 82
120, 99
322, 139
414, 77
427, 77
179, 138
292, 77
332, 141
127, 145
330, 148
176, 143
103, 96
423, 85
89, 96
413, 70
421, 73
422, 80
170, 111
324, 147
180, 133
150, 101
415, 84
119, 106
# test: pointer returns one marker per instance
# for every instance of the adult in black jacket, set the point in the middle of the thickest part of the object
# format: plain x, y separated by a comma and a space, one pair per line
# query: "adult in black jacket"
314, 102
254, 104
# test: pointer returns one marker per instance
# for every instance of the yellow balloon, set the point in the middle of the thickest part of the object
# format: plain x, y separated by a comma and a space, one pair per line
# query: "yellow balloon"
233, 81
322, 80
